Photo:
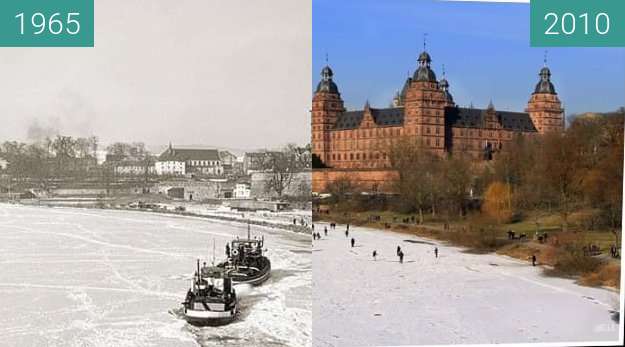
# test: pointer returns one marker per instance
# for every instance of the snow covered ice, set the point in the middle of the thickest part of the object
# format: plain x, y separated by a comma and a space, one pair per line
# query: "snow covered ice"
79, 277
459, 298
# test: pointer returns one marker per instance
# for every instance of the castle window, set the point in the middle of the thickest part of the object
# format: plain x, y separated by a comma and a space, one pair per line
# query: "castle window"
427, 130
351, 156
357, 156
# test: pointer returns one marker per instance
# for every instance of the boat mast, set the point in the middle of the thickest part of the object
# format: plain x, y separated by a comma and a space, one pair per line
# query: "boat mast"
213, 252
198, 272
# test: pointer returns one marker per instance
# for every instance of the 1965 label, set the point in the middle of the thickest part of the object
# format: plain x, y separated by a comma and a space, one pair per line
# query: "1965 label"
46, 23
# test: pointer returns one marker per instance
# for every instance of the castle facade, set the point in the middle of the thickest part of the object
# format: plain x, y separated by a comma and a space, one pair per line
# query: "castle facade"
425, 111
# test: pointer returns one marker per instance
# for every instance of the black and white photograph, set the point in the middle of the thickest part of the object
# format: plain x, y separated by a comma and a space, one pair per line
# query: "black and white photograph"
155, 189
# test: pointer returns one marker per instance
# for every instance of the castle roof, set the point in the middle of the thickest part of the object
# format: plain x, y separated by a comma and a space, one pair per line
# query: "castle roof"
183, 154
326, 85
544, 86
383, 117
461, 117
464, 117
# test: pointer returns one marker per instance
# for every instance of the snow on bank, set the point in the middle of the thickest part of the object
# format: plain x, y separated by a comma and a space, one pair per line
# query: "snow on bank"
457, 298
79, 277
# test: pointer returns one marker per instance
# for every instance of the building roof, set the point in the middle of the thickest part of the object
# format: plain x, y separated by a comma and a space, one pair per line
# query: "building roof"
544, 86
383, 117
424, 73
463, 117
183, 154
326, 84
455, 116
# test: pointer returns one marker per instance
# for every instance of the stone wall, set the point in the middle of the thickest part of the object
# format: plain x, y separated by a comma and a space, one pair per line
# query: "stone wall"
193, 190
365, 180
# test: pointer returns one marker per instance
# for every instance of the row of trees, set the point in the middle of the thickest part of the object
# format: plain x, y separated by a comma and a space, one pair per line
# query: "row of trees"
57, 157
428, 182
580, 169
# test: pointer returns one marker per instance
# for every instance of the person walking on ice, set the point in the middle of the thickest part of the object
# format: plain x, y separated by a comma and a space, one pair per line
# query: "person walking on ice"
533, 259
353, 242
375, 254
346, 233
398, 250
436, 252
325, 230
401, 257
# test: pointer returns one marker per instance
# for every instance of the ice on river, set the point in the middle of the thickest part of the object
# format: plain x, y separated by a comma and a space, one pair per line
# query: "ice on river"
78, 277
457, 298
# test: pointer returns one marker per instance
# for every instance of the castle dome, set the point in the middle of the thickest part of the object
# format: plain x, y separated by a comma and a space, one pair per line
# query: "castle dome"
423, 72
326, 85
444, 85
424, 57
544, 86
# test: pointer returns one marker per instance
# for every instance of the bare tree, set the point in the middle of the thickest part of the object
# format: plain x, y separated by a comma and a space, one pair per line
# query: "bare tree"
280, 167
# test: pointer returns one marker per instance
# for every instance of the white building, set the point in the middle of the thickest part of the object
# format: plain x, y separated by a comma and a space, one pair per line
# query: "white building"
242, 191
133, 168
181, 161
169, 167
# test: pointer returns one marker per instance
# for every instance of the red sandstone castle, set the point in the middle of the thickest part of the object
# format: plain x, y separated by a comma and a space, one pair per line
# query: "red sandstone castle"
424, 110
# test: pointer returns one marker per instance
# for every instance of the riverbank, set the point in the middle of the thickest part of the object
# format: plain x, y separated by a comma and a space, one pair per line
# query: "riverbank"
277, 220
555, 260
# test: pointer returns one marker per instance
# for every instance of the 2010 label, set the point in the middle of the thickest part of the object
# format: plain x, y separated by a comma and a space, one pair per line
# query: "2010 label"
577, 23
568, 23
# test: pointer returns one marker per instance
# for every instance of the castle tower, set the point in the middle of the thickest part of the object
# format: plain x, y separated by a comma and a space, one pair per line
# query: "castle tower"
544, 107
444, 86
424, 107
326, 106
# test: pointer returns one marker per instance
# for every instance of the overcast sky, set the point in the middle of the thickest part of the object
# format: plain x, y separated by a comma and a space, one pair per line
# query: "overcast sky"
231, 73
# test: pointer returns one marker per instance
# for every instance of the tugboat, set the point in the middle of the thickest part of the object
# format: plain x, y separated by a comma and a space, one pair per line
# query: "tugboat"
246, 261
212, 299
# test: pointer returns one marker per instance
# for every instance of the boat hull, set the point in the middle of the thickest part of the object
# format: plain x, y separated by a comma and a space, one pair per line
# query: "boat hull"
257, 278
209, 318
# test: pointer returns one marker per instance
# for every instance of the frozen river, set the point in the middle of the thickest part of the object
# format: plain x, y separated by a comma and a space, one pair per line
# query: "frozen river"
77, 277
457, 298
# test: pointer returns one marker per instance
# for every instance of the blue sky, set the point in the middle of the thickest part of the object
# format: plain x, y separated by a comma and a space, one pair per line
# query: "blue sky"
372, 44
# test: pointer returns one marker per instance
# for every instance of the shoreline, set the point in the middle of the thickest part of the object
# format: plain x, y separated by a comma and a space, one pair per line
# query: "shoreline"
286, 227
413, 231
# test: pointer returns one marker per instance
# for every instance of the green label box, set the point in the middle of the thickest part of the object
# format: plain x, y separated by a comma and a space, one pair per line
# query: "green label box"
46, 23
577, 23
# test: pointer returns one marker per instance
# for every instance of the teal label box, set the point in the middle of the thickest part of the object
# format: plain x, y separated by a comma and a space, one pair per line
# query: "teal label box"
46, 23
577, 23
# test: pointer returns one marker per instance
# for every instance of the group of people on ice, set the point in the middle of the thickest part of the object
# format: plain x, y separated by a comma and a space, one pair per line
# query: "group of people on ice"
399, 252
